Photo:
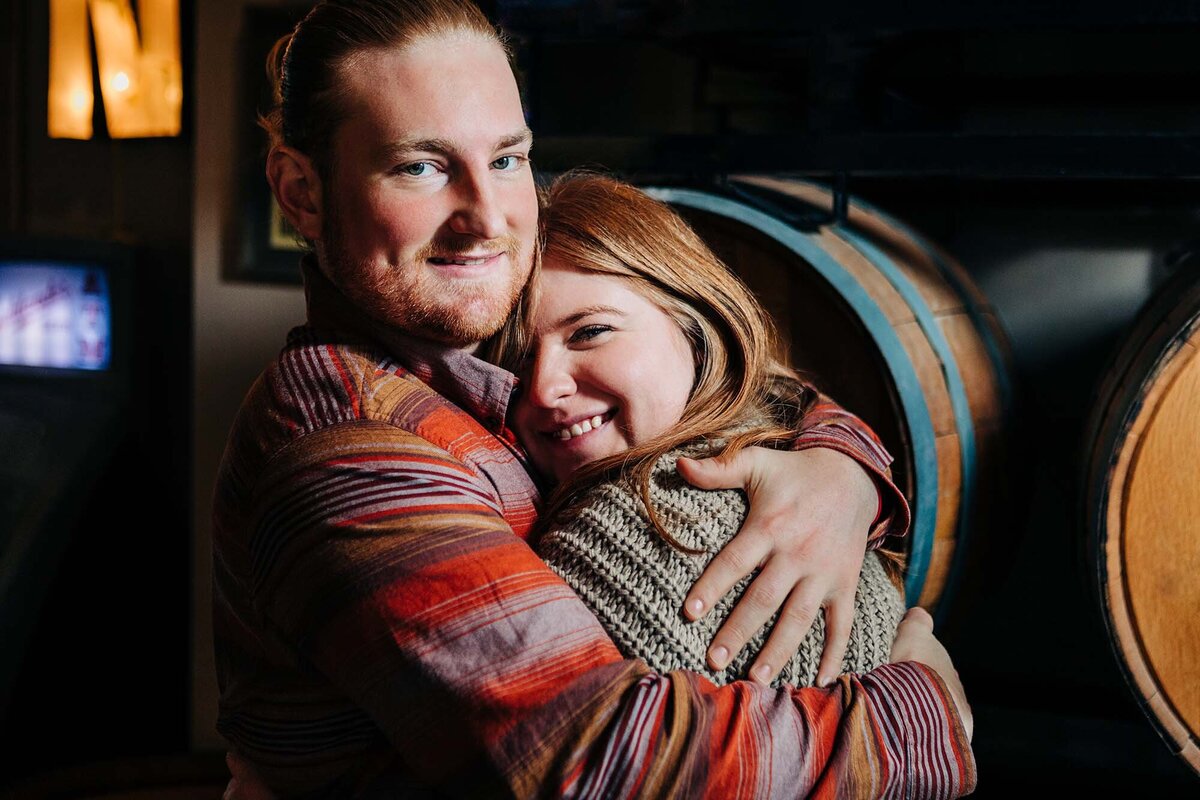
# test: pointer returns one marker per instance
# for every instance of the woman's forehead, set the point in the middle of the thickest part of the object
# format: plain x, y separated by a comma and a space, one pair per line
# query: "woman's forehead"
566, 293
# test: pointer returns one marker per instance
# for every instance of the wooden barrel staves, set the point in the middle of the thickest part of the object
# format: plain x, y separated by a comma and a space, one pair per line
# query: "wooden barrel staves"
1143, 511
891, 328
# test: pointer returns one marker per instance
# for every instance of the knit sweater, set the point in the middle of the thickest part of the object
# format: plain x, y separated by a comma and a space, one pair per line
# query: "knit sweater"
636, 582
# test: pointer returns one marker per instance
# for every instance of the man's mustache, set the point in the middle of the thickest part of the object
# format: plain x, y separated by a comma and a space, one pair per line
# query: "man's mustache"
454, 247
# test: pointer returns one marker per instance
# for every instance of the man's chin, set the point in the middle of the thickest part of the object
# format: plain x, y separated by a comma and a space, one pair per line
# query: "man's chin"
463, 326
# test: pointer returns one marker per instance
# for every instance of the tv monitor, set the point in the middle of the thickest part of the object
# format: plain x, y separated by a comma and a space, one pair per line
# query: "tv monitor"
64, 309
55, 314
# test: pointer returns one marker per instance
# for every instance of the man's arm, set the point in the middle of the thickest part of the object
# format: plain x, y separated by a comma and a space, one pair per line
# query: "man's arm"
813, 513
388, 565
830, 426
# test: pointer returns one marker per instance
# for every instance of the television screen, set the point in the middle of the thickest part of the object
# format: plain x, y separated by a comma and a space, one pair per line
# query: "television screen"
55, 314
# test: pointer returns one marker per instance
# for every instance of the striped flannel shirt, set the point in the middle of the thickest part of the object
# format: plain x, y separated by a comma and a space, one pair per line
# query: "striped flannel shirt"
378, 613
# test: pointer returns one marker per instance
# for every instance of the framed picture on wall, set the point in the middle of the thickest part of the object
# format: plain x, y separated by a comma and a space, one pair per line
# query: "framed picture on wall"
268, 248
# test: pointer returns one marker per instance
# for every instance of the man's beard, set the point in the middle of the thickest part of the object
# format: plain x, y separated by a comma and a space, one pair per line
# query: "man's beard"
412, 298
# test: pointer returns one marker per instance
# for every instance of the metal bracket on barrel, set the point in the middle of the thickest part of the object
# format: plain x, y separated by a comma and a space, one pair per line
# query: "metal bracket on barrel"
800, 216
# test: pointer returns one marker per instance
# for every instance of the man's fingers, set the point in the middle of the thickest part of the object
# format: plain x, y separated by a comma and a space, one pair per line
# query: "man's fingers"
839, 618
762, 599
236, 764
718, 472
795, 619
918, 617
245, 783
913, 636
737, 559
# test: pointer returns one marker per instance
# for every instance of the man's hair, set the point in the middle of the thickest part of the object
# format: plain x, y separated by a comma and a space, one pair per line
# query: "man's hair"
743, 393
303, 65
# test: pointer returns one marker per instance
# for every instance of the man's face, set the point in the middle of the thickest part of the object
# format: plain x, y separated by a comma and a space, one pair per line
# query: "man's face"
430, 213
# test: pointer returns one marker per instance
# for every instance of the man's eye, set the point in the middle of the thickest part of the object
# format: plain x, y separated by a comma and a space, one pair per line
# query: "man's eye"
417, 169
507, 163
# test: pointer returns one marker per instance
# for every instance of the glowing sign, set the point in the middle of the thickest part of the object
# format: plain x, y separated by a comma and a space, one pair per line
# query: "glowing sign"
141, 78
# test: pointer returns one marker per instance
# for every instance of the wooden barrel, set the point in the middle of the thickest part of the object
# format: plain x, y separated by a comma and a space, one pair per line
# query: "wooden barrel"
891, 328
1143, 511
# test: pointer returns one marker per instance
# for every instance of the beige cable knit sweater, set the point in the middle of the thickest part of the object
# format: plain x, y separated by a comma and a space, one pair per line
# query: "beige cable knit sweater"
635, 582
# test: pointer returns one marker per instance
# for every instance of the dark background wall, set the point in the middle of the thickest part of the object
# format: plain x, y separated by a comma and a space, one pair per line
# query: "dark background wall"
106, 669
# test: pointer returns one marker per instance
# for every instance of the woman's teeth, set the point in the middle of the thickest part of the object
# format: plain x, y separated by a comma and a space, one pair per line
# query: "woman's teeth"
580, 428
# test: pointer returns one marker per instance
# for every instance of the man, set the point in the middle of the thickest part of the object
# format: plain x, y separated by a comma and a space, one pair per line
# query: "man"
380, 620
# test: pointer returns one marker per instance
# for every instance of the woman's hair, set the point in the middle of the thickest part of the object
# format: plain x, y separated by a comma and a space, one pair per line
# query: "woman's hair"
303, 65
743, 393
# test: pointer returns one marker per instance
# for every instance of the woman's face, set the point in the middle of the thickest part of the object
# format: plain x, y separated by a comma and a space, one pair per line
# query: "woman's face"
608, 369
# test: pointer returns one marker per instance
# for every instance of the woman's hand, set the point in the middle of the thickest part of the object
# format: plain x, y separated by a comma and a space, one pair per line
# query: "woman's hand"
807, 527
915, 642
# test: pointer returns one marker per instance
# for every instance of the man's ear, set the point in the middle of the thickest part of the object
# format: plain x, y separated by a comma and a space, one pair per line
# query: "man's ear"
297, 187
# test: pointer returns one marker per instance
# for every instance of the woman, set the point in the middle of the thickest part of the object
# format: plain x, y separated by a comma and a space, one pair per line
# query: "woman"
636, 347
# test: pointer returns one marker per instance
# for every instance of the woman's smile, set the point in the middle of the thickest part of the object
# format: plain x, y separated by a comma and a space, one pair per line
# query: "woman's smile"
608, 369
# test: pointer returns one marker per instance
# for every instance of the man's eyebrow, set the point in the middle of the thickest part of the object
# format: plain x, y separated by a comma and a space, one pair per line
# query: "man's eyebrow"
523, 136
403, 147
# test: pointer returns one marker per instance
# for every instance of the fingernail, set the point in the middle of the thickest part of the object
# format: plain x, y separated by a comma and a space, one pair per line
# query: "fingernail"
761, 673
719, 656
823, 681
695, 606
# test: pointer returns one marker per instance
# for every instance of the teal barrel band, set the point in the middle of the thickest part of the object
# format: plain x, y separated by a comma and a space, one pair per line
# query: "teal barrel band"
963, 423
901, 368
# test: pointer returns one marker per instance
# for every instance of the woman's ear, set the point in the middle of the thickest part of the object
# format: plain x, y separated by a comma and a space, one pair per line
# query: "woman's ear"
297, 188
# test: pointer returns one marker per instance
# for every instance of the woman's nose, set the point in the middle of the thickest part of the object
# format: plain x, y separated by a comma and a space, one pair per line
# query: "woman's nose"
550, 380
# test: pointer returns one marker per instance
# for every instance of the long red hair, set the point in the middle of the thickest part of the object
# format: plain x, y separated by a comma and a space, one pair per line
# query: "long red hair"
743, 393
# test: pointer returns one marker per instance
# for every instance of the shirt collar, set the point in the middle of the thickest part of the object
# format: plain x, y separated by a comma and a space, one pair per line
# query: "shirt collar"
482, 389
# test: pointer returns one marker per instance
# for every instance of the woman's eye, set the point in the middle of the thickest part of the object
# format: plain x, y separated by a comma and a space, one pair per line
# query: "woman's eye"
589, 332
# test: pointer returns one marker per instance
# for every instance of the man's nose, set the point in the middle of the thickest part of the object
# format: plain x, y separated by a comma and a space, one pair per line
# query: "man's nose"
550, 380
480, 211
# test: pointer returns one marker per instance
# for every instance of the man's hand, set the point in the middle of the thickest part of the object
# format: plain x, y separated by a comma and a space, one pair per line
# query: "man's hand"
245, 783
807, 527
915, 642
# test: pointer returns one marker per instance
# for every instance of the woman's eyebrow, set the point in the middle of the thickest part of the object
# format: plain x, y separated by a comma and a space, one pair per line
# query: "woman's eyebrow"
579, 314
